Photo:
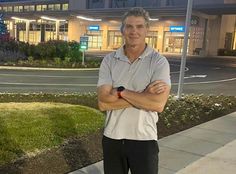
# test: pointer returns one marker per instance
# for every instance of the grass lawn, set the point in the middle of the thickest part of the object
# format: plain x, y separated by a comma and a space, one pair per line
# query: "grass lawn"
29, 128
39, 134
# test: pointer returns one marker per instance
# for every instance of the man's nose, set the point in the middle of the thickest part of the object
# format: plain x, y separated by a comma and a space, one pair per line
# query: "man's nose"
133, 29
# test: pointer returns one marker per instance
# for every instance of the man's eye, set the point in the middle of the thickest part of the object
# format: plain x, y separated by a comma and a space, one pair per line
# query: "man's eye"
129, 26
140, 26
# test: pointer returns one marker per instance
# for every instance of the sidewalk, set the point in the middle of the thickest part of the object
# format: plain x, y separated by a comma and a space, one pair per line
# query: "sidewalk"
209, 148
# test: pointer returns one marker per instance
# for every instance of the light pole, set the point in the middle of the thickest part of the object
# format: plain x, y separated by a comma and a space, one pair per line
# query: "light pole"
184, 53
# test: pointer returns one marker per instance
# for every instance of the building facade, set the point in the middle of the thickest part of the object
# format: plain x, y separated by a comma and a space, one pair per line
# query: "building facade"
213, 23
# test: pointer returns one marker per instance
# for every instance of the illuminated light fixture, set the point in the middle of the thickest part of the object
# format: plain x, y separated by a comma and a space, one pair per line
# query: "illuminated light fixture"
88, 19
153, 19
52, 19
23, 19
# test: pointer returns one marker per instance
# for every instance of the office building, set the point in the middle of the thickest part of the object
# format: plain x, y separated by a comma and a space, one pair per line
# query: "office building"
213, 23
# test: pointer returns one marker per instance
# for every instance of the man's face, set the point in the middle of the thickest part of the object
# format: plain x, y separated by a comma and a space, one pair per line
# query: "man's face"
134, 31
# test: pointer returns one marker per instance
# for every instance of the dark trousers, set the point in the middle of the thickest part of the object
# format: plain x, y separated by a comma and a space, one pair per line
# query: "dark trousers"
141, 157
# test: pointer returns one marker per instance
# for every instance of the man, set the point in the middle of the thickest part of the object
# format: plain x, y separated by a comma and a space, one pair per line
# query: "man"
133, 86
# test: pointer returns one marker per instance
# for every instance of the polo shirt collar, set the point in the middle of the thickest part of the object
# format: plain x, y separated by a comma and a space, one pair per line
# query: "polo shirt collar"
120, 54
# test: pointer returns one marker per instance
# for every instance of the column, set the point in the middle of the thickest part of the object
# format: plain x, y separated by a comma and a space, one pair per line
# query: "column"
57, 29
27, 25
104, 37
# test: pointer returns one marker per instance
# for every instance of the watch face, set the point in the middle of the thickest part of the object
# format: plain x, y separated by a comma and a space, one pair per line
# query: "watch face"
121, 88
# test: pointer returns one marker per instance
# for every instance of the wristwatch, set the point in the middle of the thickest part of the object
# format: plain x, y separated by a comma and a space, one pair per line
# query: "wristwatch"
119, 90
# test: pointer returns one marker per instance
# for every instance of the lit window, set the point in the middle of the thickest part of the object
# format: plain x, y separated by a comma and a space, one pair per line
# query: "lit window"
9, 8
20, 8
26, 8
65, 7
51, 7
4, 9
39, 8
31, 8
44, 7
16, 8
57, 7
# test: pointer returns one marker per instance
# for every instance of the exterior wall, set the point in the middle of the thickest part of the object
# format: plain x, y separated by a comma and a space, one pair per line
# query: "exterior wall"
196, 36
203, 2
77, 4
76, 29
229, 1
104, 36
107, 3
213, 36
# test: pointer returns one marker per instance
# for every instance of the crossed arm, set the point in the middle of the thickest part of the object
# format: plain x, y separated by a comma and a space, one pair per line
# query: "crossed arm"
153, 98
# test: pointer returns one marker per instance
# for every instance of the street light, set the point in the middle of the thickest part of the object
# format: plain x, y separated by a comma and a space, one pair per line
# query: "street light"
184, 53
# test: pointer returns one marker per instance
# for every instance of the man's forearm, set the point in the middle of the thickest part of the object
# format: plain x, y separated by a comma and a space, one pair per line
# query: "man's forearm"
118, 104
145, 100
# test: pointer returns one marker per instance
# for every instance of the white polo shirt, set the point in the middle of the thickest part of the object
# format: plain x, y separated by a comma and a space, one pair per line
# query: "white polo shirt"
116, 70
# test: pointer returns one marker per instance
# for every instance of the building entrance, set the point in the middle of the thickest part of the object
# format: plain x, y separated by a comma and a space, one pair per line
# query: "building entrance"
95, 39
173, 42
115, 39
151, 38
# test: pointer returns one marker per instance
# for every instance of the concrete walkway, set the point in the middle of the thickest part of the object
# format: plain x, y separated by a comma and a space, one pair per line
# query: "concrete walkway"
209, 148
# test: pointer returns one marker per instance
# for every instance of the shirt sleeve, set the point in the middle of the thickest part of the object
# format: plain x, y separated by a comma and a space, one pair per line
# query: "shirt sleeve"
161, 70
105, 72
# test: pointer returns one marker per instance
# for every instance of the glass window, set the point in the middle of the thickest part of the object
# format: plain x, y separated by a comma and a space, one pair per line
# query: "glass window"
39, 8
96, 3
63, 31
34, 33
150, 3
9, 8
16, 8
44, 7
51, 7
63, 27
95, 39
4, 9
115, 39
123, 3
31, 8
57, 7
20, 8
26, 8
65, 7
151, 38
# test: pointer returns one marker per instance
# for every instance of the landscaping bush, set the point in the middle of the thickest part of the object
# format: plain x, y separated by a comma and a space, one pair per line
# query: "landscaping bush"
74, 52
225, 52
46, 51
177, 112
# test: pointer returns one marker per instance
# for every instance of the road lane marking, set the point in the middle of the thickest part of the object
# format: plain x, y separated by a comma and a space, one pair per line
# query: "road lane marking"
195, 76
207, 82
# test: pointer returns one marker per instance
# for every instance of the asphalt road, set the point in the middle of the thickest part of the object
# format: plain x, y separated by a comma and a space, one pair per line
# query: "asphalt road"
202, 76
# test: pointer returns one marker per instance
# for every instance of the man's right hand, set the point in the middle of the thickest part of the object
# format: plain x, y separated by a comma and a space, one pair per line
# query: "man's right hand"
156, 87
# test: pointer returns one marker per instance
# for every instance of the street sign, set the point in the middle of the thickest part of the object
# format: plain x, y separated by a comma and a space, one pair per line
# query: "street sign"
94, 28
84, 42
177, 28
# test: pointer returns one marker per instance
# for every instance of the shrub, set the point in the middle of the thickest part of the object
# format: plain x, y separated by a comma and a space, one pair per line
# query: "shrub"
74, 53
225, 52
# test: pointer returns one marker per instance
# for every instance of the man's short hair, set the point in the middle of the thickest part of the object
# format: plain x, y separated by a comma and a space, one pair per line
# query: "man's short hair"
137, 12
